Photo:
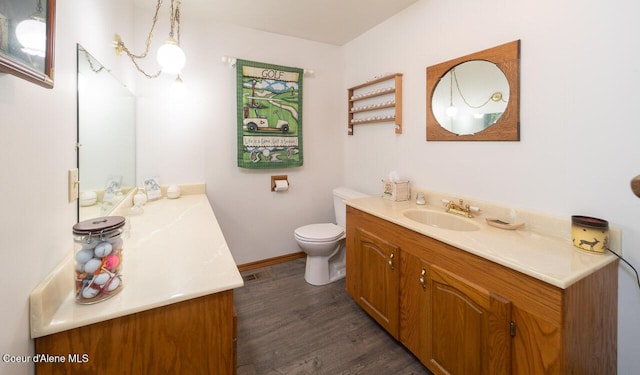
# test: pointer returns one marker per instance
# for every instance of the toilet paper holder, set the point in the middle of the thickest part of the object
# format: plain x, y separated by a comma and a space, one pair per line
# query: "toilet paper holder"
279, 183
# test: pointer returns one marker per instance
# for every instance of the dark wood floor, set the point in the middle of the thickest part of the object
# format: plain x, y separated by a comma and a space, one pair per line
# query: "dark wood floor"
286, 326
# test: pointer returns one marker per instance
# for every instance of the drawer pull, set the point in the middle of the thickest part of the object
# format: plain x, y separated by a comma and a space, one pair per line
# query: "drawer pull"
422, 278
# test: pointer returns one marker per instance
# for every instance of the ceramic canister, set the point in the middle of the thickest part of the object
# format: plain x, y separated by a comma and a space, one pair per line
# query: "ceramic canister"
590, 234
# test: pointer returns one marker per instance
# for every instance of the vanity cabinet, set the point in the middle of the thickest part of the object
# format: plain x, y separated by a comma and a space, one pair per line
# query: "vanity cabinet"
378, 276
197, 336
181, 323
367, 102
460, 313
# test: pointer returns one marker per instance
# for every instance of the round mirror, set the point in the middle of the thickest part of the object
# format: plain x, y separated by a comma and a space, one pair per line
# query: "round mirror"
470, 97
475, 97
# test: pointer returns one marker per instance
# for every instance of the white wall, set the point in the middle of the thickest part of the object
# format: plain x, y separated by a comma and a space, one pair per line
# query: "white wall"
193, 139
579, 130
37, 147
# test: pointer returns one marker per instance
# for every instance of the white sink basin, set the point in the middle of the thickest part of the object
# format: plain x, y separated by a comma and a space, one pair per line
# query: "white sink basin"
441, 220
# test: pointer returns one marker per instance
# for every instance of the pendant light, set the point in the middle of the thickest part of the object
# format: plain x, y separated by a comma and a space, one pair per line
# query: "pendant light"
170, 56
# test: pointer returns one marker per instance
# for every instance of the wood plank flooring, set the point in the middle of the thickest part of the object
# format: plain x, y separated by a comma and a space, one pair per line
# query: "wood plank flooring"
286, 326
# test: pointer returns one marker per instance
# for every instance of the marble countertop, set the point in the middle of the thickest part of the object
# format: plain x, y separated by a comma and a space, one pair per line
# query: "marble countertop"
173, 252
549, 258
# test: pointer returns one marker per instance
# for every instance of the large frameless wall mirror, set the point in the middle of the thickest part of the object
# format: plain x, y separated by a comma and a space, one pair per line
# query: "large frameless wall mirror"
106, 138
475, 97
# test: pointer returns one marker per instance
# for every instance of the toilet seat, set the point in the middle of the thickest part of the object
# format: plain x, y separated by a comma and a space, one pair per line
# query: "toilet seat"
323, 232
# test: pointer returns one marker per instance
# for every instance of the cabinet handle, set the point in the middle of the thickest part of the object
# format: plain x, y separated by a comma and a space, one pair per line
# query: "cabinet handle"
391, 260
422, 278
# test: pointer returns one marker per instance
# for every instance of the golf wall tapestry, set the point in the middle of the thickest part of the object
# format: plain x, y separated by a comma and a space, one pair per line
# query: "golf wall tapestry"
269, 100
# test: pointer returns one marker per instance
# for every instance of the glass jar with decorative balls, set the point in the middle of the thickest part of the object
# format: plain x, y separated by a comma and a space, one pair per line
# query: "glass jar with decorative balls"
98, 248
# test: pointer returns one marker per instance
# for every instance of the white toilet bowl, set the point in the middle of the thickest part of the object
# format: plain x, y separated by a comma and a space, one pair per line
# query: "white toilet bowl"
324, 243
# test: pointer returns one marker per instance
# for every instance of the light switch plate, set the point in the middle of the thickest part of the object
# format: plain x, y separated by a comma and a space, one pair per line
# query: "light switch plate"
73, 184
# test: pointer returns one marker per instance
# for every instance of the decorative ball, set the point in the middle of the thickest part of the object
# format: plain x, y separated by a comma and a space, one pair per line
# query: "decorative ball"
89, 245
115, 282
103, 249
173, 192
92, 265
101, 279
140, 198
90, 292
116, 242
84, 255
111, 262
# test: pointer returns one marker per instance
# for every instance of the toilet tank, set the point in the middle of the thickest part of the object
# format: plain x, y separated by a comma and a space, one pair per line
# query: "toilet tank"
340, 194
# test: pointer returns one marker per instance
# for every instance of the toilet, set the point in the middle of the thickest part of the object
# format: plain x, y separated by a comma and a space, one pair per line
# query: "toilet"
324, 242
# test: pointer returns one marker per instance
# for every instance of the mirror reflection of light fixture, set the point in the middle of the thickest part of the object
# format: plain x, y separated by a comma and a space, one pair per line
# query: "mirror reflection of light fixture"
495, 97
32, 33
170, 56
451, 111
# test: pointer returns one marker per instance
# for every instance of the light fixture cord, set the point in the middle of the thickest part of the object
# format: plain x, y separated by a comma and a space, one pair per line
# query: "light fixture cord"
455, 77
175, 19
178, 20
133, 56
451, 88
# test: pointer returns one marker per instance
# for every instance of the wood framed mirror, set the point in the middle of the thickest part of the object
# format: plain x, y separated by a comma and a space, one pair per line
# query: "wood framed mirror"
475, 97
27, 40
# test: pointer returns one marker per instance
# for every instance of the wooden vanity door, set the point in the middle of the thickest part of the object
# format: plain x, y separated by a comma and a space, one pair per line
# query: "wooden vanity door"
468, 327
414, 308
378, 278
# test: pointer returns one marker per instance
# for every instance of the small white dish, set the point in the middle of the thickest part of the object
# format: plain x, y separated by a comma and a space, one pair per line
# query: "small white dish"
503, 224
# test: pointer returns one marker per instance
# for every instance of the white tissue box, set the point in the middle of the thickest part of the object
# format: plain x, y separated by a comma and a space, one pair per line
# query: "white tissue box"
396, 190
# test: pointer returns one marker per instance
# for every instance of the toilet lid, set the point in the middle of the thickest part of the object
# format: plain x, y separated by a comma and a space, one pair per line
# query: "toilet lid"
319, 232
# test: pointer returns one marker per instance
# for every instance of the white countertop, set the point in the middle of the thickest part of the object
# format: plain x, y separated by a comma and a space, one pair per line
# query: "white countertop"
174, 251
550, 259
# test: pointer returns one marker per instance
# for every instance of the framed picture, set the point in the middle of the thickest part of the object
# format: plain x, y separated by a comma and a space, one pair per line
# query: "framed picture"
27, 39
152, 188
